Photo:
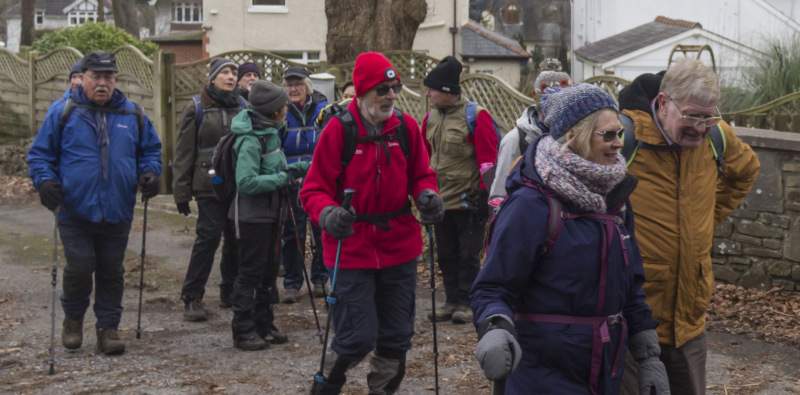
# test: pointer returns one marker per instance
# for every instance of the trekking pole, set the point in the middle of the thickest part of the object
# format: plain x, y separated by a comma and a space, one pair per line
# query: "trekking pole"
499, 387
346, 200
429, 195
141, 272
303, 264
53, 306
315, 252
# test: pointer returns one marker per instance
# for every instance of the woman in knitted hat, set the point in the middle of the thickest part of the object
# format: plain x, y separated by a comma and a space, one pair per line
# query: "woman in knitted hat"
203, 122
560, 297
262, 179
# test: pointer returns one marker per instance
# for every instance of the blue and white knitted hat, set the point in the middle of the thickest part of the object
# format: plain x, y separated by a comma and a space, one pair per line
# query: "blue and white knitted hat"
565, 107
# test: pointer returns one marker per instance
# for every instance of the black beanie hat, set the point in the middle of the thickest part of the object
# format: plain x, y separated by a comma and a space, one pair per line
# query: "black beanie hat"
445, 77
266, 97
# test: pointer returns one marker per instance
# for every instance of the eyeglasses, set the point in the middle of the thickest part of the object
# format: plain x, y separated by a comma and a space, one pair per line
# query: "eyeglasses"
610, 135
694, 121
294, 86
384, 90
104, 77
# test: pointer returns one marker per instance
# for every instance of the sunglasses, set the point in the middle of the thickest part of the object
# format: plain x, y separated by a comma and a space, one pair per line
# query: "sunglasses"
384, 90
610, 135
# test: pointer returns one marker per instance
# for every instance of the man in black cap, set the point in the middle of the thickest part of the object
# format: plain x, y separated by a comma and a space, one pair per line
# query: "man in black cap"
462, 139
94, 195
247, 75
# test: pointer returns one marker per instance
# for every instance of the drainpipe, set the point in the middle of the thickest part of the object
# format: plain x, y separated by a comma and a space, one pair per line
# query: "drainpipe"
454, 29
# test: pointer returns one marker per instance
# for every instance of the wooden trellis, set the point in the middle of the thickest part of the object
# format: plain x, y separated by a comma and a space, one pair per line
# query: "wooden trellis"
132, 61
609, 83
412, 103
782, 114
14, 68
57, 61
500, 99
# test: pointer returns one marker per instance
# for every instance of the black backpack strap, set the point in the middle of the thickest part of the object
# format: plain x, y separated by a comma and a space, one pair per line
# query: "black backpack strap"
263, 141
350, 137
718, 145
69, 105
402, 134
628, 138
198, 113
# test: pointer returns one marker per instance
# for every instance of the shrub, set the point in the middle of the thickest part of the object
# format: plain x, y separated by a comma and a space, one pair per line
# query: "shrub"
90, 37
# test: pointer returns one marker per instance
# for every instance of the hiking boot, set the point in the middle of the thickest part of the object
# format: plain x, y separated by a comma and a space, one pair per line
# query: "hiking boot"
250, 342
108, 342
193, 311
320, 290
444, 312
462, 315
290, 296
275, 336
72, 333
225, 300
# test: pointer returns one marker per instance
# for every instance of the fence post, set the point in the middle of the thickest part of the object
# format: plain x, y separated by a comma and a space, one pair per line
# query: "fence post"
32, 93
163, 70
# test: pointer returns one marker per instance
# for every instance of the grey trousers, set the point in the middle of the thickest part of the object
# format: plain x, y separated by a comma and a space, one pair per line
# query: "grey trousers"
686, 368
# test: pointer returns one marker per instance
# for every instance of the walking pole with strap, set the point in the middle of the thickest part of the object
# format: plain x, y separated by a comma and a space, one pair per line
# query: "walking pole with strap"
303, 264
141, 272
429, 229
346, 200
53, 306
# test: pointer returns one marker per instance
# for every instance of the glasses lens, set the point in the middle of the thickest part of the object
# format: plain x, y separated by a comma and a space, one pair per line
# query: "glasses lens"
384, 90
610, 135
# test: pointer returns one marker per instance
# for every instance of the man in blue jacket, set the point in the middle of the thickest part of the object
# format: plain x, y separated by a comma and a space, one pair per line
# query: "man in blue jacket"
87, 171
299, 141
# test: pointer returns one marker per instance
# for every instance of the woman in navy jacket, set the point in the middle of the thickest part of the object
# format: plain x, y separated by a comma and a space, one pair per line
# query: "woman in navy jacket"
561, 292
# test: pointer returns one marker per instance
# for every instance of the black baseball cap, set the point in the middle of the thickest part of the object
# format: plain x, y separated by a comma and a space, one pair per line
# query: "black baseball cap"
99, 61
296, 71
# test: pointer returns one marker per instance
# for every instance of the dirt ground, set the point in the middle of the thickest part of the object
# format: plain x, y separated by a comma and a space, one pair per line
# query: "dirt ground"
174, 356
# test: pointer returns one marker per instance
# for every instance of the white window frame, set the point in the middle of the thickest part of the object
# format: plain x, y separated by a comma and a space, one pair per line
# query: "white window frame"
300, 56
269, 9
88, 16
39, 15
186, 9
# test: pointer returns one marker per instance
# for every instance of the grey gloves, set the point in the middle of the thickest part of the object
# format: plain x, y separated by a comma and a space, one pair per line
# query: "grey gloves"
652, 373
498, 351
337, 221
430, 206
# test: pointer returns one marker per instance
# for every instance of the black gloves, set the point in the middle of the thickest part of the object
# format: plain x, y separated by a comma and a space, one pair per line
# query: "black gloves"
476, 200
183, 208
291, 183
51, 193
148, 182
337, 221
294, 172
430, 206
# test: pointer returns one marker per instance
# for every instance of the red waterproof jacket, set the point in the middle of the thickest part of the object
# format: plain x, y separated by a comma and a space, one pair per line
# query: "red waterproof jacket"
382, 185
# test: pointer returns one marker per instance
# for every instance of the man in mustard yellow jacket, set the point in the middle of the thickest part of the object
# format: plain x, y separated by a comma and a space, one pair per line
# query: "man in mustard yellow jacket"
683, 194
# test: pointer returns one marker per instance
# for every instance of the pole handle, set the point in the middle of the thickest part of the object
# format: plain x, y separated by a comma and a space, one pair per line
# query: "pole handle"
348, 198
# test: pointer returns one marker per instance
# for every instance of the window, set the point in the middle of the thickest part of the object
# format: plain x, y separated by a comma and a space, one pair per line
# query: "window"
80, 17
511, 14
187, 13
305, 57
39, 17
268, 6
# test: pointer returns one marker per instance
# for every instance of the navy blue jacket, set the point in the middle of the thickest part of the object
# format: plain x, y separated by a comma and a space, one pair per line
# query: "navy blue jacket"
73, 159
565, 281
302, 134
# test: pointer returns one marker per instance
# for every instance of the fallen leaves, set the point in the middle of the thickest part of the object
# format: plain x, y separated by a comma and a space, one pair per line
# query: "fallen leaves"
772, 316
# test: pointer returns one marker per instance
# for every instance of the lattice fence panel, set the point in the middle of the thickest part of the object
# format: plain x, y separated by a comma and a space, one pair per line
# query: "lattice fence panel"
15, 68
500, 99
609, 83
410, 65
782, 114
412, 103
57, 61
132, 61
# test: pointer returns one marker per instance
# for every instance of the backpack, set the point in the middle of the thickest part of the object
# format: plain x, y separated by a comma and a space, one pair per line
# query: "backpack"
200, 111
630, 145
69, 106
223, 162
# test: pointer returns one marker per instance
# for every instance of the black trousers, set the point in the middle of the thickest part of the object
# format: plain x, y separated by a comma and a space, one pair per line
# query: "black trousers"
212, 223
459, 240
254, 290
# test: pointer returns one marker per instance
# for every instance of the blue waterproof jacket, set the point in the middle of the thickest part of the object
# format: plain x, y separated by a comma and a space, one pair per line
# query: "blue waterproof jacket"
302, 134
518, 280
73, 158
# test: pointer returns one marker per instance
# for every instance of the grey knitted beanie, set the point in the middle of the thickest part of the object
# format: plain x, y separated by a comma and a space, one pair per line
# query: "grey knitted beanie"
267, 97
216, 65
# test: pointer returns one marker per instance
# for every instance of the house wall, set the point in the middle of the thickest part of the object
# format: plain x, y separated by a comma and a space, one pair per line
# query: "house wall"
506, 70
433, 36
743, 21
300, 26
184, 51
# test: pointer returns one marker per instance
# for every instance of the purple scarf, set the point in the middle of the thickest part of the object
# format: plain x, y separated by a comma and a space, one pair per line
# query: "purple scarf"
574, 179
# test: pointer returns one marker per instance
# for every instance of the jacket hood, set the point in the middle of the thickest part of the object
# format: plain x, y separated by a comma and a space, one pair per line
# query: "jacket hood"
243, 125
528, 123
524, 168
639, 94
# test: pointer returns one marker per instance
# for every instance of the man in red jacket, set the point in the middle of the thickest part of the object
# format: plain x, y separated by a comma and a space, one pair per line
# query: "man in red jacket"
376, 280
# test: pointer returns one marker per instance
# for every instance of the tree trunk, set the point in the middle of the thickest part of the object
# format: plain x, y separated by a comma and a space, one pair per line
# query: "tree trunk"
101, 11
126, 16
356, 26
26, 35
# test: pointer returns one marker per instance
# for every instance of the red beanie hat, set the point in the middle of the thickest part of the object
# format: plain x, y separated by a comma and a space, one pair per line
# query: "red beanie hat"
371, 69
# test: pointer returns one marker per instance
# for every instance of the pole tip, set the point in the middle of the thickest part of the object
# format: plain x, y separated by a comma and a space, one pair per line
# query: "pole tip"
52, 370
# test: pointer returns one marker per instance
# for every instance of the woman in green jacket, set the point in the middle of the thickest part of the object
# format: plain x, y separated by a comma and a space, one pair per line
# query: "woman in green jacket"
262, 178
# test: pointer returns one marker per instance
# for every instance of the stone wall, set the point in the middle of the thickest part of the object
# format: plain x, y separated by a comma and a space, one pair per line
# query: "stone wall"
13, 157
759, 244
